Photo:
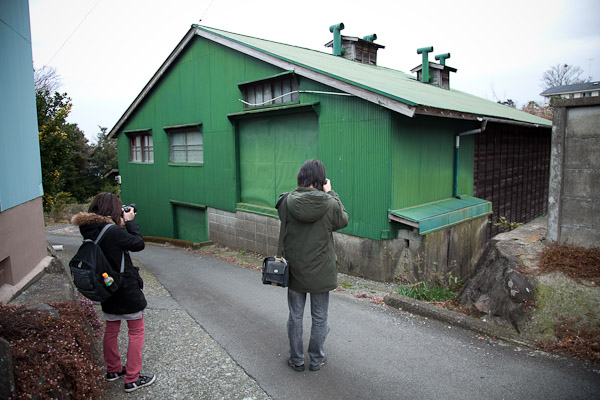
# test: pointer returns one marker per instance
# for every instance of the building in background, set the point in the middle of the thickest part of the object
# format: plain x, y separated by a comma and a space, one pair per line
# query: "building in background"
576, 91
223, 126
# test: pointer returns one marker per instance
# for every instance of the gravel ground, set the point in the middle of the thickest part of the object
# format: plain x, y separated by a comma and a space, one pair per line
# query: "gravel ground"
188, 363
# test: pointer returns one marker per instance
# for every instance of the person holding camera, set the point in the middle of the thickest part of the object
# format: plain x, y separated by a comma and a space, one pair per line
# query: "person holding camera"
128, 302
312, 212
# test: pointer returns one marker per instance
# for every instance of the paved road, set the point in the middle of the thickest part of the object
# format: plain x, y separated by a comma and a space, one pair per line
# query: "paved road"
375, 352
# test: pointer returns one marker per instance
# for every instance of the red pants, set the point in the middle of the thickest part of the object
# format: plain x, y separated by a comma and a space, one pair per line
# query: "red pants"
112, 357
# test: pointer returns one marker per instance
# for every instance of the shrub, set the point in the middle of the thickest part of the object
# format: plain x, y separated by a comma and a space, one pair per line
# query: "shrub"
54, 357
426, 292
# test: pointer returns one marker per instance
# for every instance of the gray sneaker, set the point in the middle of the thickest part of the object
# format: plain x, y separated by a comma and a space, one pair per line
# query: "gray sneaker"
317, 366
296, 367
141, 382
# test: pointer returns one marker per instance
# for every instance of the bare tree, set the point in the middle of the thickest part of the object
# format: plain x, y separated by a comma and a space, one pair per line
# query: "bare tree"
46, 79
560, 75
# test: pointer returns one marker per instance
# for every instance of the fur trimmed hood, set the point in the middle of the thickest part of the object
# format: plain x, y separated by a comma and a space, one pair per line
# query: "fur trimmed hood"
86, 218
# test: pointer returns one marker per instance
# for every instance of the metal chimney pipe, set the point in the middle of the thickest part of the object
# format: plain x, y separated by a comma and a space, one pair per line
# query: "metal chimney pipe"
337, 38
442, 58
425, 65
370, 38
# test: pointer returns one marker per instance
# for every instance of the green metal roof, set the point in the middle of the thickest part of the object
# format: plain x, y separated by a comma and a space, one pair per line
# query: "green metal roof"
391, 83
440, 214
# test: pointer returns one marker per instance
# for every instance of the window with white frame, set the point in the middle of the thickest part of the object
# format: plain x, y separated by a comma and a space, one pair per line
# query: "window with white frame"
186, 145
141, 148
278, 90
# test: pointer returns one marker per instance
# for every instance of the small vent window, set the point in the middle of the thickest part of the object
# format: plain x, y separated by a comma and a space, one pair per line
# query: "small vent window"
271, 92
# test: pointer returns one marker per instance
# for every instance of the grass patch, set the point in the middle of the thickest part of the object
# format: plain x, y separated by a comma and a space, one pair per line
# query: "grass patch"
426, 292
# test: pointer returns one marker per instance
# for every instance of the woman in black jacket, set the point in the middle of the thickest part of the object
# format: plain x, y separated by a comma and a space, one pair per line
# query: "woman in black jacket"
128, 302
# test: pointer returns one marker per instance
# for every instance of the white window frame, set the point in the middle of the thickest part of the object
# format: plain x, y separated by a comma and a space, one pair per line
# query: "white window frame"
141, 147
186, 145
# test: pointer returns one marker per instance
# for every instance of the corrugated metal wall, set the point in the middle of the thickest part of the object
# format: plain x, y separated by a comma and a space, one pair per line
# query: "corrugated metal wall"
376, 159
512, 170
354, 145
423, 160
200, 88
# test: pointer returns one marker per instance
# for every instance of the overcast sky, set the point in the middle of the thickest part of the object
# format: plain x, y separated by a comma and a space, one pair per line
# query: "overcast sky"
106, 50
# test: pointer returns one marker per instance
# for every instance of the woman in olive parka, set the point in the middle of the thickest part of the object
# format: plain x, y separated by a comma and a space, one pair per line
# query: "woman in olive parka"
312, 213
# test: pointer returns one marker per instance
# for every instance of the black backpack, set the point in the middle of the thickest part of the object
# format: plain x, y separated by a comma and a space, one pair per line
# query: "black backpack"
87, 267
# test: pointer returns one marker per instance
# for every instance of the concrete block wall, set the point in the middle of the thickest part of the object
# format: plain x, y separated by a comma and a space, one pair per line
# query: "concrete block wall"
242, 230
410, 257
574, 196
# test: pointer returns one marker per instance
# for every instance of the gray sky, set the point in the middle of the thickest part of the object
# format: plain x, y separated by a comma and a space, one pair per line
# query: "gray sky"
106, 50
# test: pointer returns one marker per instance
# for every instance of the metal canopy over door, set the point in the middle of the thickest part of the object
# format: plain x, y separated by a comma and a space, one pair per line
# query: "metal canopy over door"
271, 150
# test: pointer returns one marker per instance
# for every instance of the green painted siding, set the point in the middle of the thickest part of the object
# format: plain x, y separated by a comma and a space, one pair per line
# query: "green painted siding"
376, 159
423, 160
201, 87
354, 145
272, 149
190, 224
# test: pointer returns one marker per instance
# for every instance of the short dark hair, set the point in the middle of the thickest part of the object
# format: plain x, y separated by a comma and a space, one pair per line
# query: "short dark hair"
107, 204
312, 172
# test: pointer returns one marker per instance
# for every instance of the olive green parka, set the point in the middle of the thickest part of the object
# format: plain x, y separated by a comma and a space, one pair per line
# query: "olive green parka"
311, 216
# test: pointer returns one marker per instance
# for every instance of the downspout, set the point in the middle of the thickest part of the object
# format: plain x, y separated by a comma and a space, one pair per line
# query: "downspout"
457, 152
337, 38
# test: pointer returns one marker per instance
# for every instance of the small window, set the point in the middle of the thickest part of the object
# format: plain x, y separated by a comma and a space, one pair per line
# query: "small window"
141, 148
186, 146
283, 89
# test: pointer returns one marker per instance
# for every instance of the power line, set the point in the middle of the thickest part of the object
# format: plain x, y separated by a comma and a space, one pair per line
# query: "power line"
205, 11
73, 32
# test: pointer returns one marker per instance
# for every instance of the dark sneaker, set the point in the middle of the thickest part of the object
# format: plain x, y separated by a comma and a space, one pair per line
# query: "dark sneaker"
296, 367
113, 376
141, 382
316, 367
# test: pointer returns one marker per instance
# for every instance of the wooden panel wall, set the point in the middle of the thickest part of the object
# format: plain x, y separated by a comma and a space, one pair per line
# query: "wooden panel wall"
512, 170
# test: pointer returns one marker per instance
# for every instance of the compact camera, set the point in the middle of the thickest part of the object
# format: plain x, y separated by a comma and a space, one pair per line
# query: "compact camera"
129, 207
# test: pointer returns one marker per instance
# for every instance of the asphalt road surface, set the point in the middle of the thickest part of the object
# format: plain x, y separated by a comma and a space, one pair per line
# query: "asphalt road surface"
374, 351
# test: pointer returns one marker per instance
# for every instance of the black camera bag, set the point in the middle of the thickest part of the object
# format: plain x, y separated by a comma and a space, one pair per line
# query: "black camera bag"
275, 271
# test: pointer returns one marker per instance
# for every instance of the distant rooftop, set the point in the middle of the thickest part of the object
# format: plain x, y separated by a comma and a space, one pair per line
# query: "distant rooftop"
576, 88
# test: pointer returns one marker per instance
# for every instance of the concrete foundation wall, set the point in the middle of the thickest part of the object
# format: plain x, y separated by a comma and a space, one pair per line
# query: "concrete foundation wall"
574, 201
242, 230
410, 257
22, 241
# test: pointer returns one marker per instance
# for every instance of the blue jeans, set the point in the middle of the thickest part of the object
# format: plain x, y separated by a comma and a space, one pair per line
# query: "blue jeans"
319, 304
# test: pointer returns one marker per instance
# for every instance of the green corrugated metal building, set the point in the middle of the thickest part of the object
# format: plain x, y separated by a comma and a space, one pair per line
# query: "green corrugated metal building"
223, 126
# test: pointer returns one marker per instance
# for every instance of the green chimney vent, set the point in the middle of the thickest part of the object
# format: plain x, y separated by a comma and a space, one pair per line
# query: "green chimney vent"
370, 38
337, 38
442, 58
425, 66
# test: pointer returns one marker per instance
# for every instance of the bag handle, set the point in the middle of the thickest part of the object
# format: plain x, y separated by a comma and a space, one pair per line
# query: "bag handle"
282, 202
102, 232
